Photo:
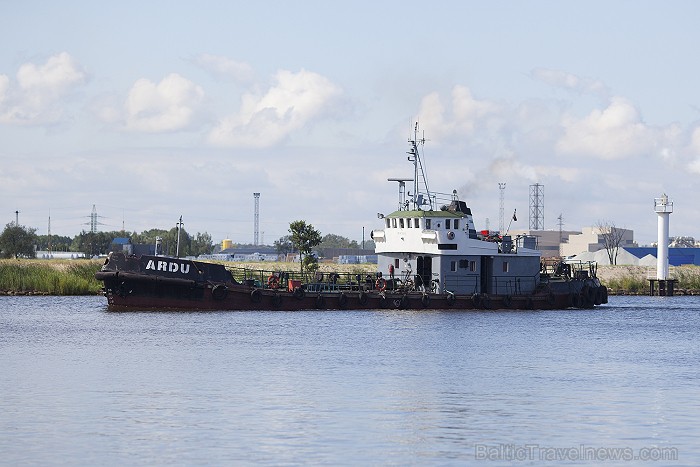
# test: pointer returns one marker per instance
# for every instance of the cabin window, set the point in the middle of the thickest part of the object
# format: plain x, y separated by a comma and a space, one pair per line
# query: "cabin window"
456, 224
463, 264
453, 266
427, 224
472, 266
388, 223
505, 266
393, 223
401, 223
396, 263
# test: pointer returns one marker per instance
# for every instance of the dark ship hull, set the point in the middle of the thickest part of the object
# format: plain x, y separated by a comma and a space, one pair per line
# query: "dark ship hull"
156, 282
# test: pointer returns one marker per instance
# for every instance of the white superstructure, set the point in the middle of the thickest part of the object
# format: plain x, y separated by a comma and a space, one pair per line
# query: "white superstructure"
441, 248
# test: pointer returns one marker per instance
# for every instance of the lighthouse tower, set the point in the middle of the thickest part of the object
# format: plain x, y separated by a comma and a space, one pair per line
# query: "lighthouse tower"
663, 208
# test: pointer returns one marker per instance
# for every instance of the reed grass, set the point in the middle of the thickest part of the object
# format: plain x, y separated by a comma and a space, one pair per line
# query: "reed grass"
688, 277
628, 284
635, 279
50, 277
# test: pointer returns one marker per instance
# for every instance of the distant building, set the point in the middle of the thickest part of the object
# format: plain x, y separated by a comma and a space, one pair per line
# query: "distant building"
548, 241
591, 240
357, 259
43, 254
251, 253
338, 252
682, 242
644, 256
122, 245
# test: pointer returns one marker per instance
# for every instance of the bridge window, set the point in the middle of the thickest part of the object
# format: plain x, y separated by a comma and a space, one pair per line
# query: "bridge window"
447, 224
401, 223
472, 266
408, 223
505, 266
456, 224
393, 223
427, 224
453, 266
416, 223
388, 223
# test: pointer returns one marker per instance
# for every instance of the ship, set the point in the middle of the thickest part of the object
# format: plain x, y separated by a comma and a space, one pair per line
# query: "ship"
429, 256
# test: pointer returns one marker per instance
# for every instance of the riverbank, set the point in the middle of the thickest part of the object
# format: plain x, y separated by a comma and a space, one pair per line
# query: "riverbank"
77, 277
634, 280
49, 277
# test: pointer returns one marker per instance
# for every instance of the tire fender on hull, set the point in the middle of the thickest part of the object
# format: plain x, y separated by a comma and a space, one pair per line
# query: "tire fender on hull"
219, 292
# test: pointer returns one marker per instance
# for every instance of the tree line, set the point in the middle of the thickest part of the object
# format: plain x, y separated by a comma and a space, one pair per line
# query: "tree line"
285, 245
18, 241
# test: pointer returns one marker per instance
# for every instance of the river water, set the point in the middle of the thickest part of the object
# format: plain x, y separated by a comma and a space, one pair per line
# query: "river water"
83, 386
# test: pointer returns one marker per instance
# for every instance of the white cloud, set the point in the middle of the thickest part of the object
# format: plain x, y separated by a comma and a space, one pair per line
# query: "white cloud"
166, 106
570, 81
694, 149
225, 68
294, 101
461, 119
614, 132
509, 166
38, 96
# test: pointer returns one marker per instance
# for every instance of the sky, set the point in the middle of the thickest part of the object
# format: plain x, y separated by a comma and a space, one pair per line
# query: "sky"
154, 110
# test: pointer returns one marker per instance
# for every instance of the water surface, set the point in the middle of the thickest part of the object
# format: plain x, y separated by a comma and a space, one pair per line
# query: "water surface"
83, 386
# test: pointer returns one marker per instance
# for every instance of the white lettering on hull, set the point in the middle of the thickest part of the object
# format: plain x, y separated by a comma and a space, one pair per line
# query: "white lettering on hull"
168, 266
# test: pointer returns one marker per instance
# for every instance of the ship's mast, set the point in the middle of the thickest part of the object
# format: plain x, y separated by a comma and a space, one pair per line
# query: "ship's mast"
419, 199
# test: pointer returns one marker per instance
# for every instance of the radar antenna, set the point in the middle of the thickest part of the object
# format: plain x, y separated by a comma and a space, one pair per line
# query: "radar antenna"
419, 199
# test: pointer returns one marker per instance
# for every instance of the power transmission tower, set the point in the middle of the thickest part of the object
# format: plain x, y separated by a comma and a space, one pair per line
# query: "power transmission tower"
256, 219
536, 207
501, 225
93, 220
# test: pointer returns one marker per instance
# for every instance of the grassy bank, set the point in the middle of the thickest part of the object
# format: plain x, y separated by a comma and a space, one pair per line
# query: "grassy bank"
634, 280
49, 277
77, 277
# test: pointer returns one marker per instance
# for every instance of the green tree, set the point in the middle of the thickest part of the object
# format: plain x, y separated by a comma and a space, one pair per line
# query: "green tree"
337, 241
304, 237
17, 241
190, 245
201, 244
92, 243
58, 243
284, 245
334, 241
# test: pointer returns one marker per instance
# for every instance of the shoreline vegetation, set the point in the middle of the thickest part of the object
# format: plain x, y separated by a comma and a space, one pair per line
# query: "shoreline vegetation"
77, 277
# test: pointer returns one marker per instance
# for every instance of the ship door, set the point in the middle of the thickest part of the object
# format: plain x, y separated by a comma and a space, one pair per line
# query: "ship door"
486, 274
424, 275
